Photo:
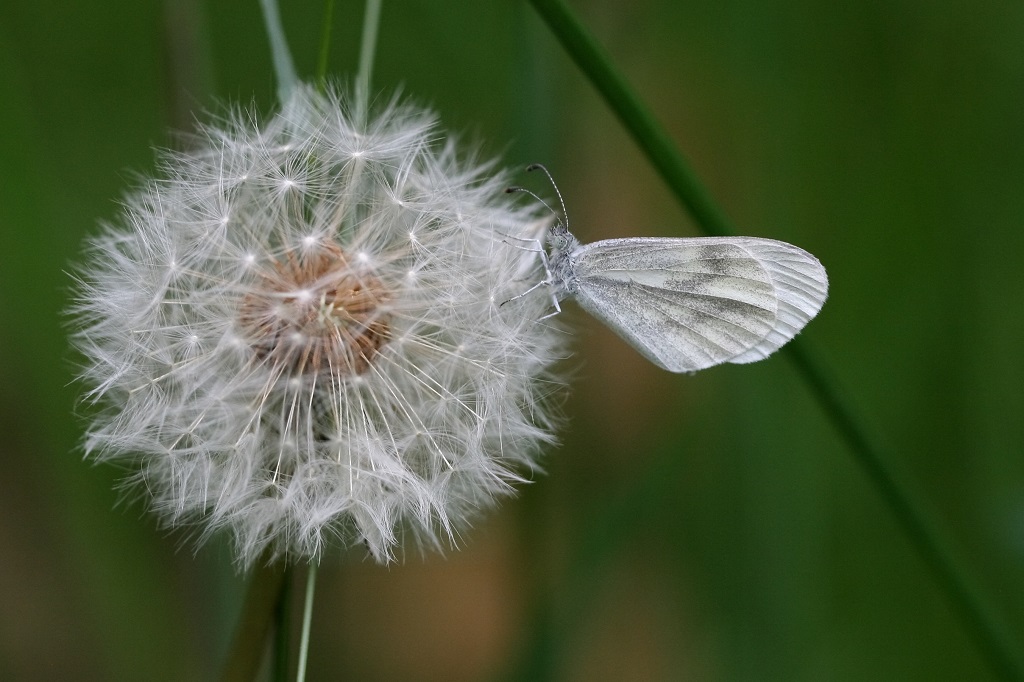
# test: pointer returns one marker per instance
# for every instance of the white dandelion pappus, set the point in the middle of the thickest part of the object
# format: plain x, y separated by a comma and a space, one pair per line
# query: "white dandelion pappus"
297, 333
690, 303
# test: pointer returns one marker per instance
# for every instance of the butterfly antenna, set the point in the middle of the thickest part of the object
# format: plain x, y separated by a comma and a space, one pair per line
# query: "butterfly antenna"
541, 167
512, 190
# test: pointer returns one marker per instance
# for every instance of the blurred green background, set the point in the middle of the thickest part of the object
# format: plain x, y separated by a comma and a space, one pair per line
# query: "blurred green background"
725, 531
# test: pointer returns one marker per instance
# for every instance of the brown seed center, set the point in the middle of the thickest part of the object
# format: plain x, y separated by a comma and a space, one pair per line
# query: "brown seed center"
313, 312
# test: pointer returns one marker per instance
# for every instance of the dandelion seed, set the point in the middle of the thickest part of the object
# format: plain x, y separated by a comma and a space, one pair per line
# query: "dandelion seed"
328, 364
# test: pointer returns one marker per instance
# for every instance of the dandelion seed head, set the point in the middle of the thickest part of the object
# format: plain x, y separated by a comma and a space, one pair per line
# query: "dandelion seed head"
346, 359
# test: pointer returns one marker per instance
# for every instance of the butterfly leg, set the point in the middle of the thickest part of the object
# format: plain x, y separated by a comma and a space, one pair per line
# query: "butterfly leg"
536, 246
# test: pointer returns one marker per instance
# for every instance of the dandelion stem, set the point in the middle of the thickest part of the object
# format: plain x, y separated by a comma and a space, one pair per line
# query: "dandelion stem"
307, 616
261, 600
981, 623
284, 67
371, 22
325, 42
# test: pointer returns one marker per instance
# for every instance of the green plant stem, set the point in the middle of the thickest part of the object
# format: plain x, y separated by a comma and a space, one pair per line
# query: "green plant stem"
284, 67
634, 116
325, 43
261, 603
368, 48
980, 622
307, 619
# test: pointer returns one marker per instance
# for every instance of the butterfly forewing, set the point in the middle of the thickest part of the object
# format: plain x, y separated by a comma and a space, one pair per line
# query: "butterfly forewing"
688, 304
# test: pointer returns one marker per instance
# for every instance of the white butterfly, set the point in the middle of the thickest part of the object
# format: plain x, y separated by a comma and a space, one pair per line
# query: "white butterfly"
689, 304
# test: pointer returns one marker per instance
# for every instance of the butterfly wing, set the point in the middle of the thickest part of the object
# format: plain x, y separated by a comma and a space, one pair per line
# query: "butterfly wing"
688, 304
